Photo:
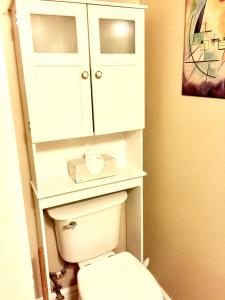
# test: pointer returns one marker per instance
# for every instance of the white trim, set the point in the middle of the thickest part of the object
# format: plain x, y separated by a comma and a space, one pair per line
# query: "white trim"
165, 295
69, 293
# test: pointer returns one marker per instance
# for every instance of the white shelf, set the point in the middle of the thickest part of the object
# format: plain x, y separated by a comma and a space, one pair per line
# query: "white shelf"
59, 185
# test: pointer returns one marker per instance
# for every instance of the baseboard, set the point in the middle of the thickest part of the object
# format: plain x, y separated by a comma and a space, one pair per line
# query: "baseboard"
70, 293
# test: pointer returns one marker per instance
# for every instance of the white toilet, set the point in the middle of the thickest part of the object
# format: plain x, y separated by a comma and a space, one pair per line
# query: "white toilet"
87, 233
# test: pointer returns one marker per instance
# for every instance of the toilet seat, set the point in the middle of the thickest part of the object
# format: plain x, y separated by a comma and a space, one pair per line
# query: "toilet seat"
119, 277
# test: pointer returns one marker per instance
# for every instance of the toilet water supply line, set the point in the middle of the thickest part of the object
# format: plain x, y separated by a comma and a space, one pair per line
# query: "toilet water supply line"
55, 276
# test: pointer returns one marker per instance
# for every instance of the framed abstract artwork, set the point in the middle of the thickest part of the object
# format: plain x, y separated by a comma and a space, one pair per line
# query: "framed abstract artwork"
204, 49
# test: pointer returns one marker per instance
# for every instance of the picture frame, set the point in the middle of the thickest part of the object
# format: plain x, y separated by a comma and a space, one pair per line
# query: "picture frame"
204, 49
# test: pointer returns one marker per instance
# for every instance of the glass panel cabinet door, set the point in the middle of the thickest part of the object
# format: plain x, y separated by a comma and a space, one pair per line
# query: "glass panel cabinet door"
54, 34
117, 63
55, 57
117, 36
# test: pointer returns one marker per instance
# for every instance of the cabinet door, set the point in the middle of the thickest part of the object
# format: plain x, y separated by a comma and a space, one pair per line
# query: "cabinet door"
117, 64
55, 57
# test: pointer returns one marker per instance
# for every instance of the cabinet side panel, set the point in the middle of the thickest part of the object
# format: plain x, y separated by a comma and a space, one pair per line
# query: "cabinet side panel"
135, 222
134, 148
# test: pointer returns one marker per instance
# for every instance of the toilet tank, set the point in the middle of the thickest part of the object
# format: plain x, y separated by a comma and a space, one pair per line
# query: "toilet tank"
89, 228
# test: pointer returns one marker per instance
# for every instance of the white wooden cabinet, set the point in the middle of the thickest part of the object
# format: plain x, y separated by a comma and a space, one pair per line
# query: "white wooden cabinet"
117, 52
83, 68
53, 41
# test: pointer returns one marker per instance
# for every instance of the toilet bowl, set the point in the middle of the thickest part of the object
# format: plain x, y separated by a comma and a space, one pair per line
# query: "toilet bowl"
118, 277
87, 233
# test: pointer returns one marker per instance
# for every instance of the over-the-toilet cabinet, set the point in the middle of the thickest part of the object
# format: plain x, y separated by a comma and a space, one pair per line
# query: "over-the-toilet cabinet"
83, 67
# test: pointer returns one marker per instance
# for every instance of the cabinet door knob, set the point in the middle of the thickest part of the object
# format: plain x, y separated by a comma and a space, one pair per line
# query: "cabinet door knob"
98, 74
84, 74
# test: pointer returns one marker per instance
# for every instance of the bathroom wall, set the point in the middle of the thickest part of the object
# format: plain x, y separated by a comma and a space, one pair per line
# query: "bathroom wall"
14, 237
20, 136
55, 262
185, 158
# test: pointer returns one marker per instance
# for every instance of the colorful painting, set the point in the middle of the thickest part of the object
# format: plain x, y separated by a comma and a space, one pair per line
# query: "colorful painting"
204, 49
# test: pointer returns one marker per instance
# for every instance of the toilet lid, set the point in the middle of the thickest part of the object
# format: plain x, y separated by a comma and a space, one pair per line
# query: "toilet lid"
120, 277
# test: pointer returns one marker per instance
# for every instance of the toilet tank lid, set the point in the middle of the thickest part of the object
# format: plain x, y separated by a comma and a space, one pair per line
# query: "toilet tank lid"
86, 207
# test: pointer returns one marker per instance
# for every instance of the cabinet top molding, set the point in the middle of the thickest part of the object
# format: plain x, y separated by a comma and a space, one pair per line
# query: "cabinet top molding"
93, 2
108, 3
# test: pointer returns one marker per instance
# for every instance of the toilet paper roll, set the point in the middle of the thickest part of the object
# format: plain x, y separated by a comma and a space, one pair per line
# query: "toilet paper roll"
94, 162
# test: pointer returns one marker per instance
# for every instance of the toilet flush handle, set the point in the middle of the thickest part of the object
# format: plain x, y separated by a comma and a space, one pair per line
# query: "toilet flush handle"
71, 225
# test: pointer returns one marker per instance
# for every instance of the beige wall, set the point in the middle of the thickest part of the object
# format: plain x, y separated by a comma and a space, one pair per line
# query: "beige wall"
5, 27
15, 263
185, 158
